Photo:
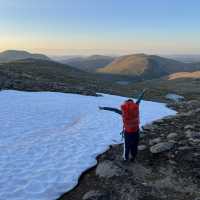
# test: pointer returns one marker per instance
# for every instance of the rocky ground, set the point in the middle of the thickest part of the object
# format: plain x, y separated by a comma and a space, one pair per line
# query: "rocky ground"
19, 80
167, 166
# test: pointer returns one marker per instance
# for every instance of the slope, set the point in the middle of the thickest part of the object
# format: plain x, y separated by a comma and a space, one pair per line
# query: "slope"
183, 83
90, 64
146, 66
12, 55
47, 75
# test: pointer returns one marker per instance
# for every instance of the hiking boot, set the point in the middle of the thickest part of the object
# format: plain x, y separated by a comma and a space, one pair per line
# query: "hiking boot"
125, 161
132, 160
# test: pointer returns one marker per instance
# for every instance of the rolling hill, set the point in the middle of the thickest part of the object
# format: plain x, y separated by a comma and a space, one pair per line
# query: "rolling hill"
90, 64
44, 70
38, 75
13, 55
146, 66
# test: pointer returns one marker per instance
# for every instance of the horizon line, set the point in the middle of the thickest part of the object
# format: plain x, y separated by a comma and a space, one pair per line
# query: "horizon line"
86, 52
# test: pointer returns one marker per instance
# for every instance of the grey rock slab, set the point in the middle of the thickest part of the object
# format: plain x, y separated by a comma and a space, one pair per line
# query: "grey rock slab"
161, 147
172, 135
108, 169
142, 147
155, 141
194, 141
187, 114
194, 135
197, 111
189, 127
95, 195
188, 133
172, 141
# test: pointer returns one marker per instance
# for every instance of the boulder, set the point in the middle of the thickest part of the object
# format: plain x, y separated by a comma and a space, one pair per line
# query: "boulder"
161, 147
108, 169
172, 141
186, 114
155, 141
189, 127
193, 135
188, 133
142, 147
172, 136
194, 141
197, 110
95, 195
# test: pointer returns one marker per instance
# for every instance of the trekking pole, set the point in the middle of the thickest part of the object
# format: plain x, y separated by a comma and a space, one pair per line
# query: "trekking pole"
122, 134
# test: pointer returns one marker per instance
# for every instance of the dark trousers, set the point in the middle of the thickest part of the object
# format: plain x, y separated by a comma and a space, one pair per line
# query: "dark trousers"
131, 141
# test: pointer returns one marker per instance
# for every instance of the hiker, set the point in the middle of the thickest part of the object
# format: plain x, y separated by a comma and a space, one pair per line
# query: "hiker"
130, 115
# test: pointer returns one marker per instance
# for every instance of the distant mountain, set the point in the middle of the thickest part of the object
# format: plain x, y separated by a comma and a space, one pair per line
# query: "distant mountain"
146, 66
12, 55
90, 64
185, 58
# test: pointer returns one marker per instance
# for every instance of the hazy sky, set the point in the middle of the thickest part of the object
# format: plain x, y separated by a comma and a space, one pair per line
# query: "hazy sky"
100, 26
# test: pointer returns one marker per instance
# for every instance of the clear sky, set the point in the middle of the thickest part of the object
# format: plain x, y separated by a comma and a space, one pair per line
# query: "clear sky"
101, 26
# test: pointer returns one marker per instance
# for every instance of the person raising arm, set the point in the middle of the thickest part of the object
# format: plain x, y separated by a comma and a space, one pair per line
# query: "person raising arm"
130, 115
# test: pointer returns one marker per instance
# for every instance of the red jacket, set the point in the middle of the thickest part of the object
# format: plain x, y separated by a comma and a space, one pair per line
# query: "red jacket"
130, 115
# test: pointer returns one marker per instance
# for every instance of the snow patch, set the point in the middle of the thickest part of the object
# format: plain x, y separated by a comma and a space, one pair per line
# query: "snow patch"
174, 97
47, 140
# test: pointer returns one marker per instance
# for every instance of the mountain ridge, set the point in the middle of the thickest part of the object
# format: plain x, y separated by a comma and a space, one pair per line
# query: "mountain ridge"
13, 55
146, 66
90, 63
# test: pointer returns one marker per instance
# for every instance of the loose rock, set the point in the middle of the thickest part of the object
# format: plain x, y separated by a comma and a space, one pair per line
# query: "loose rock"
172, 135
155, 141
189, 127
193, 135
95, 195
142, 147
161, 147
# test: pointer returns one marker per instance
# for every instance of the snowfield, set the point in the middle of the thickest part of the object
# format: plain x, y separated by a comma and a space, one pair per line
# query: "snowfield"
47, 140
